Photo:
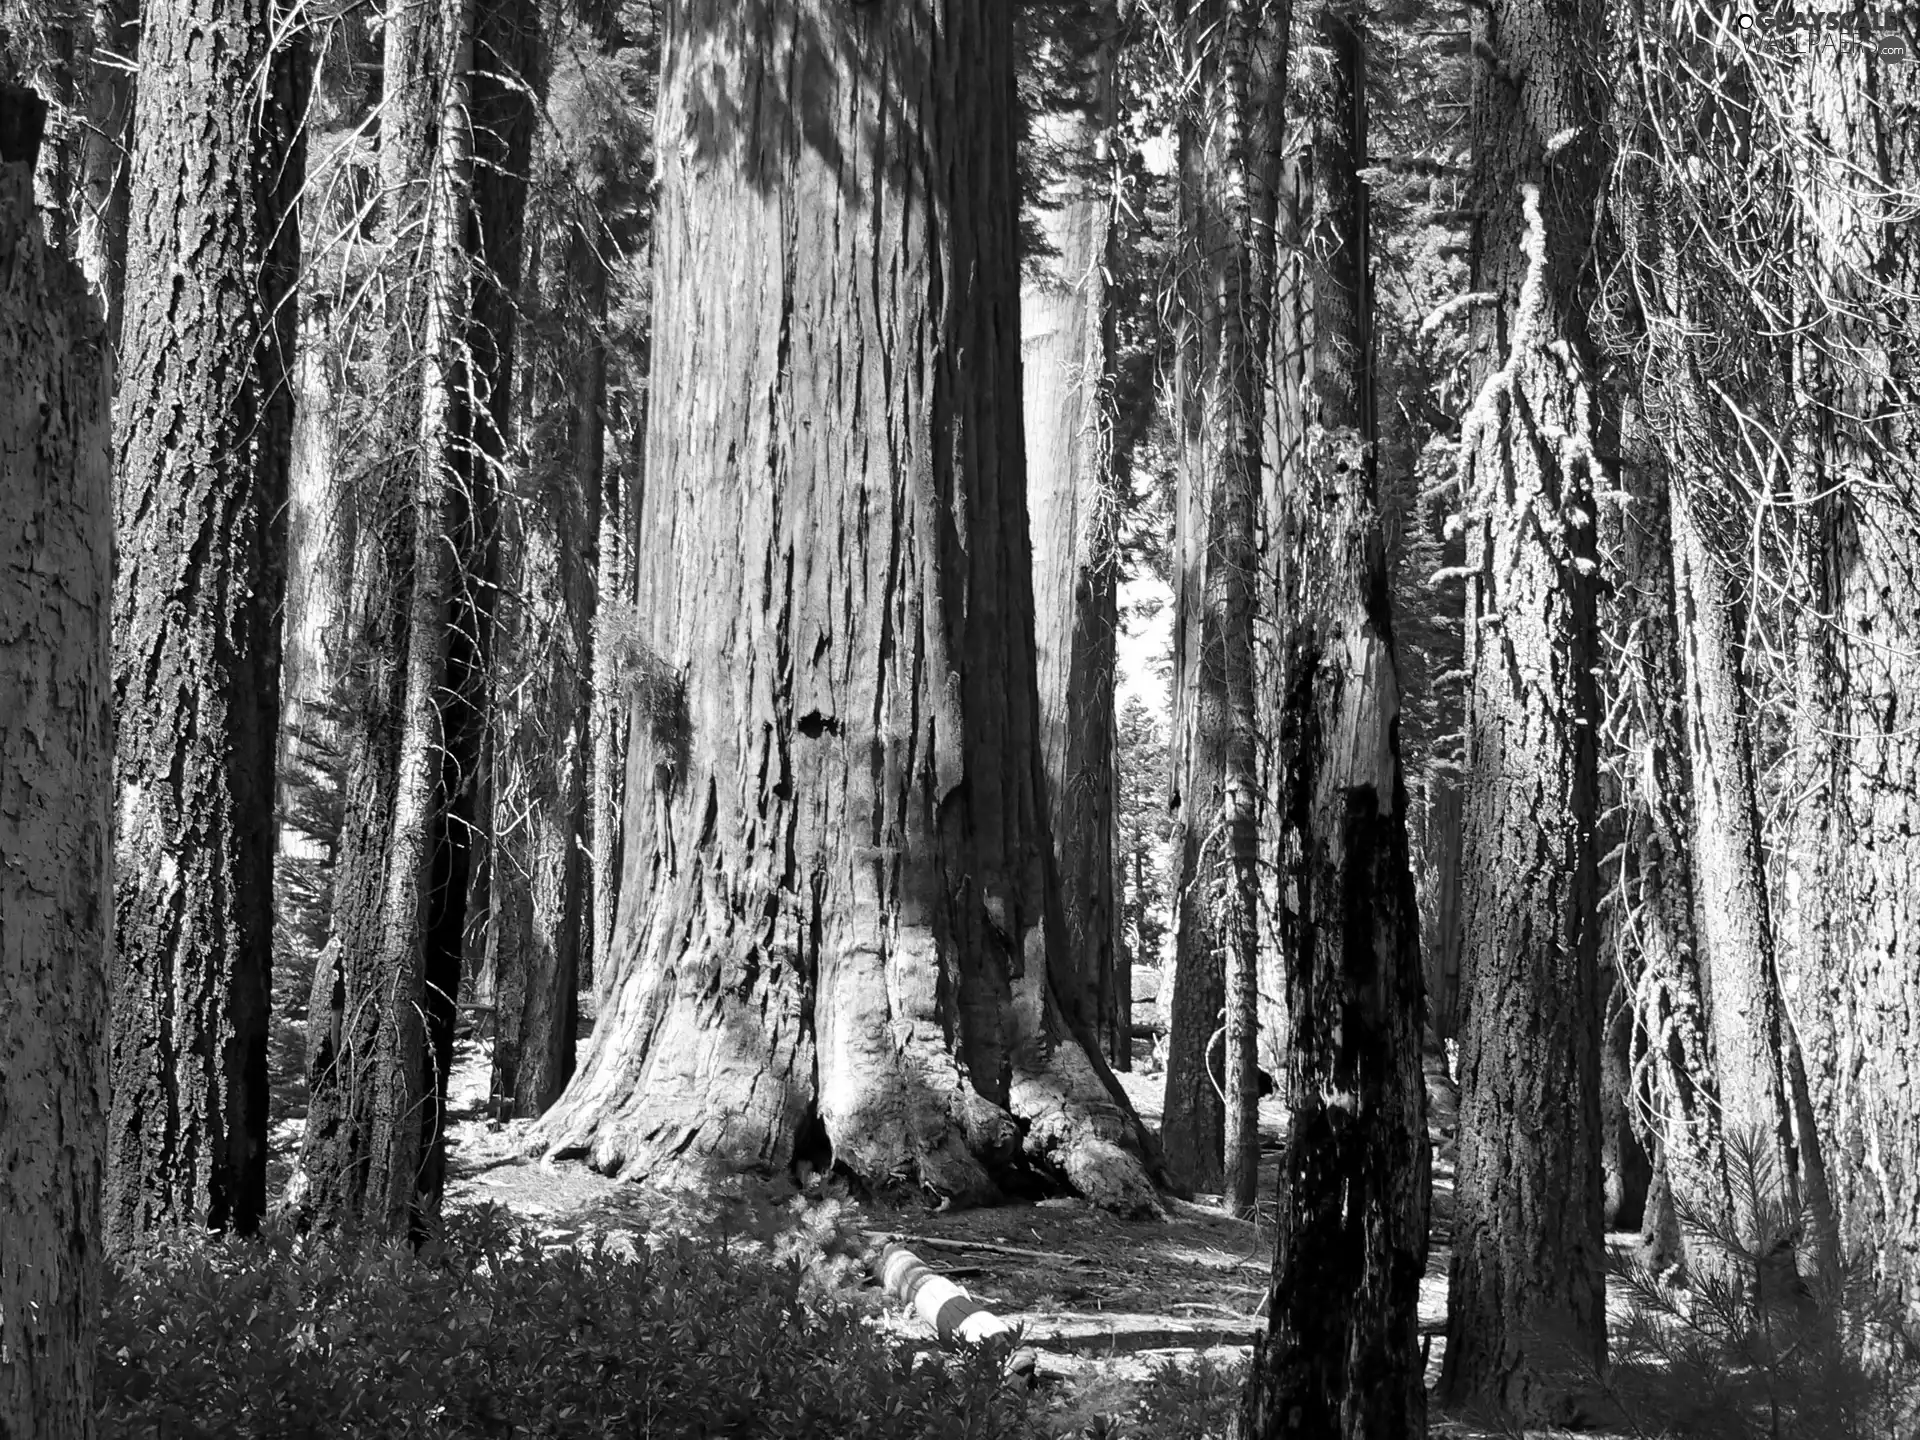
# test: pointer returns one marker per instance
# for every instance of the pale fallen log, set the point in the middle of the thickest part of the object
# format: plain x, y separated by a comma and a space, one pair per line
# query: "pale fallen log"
953, 1314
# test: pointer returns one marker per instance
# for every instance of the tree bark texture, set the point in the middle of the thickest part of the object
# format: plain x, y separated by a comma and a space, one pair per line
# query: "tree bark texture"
56, 811
1672, 1049
322, 506
836, 915
541, 876
1067, 343
1354, 1188
1526, 1300
381, 1018
1209, 1128
1861, 371
203, 439
1733, 921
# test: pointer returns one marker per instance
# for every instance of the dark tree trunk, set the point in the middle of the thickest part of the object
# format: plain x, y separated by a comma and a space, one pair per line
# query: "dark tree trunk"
203, 440
1067, 346
540, 880
381, 1018
1526, 1293
56, 809
836, 917
1627, 1168
1209, 1123
1353, 1197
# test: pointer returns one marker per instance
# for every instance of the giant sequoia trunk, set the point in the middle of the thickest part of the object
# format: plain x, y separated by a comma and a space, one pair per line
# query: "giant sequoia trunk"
56, 821
1209, 1128
380, 1021
1353, 1197
837, 913
1067, 362
203, 442
1860, 873
1526, 1289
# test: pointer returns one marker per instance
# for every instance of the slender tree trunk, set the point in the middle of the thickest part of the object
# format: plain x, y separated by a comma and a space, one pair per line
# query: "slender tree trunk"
322, 507
382, 1017
1665, 992
1526, 1294
1210, 1127
1353, 1205
836, 918
203, 441
1733, 923
56, 810
1442, 817
1067, 363
607, 779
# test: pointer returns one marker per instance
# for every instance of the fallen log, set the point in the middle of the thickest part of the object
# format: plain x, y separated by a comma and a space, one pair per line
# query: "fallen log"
953, 1314
1051, 1257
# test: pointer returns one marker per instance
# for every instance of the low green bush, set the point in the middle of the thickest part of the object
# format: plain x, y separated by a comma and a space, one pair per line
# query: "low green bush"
485, 1332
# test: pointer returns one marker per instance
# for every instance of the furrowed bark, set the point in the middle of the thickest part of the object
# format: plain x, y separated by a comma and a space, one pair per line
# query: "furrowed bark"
1526, 1324
203, 441
56, 807
381, 1018
1354, 1189
836, 915
1210, 1132
1067, 365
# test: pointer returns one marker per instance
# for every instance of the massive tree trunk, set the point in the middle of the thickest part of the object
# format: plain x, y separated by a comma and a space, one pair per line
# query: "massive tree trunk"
203, 441
381, 1016
1209, 1129
1353, 1201
56, 810
1526, 1297
1862, 374
836, 916
1066, 331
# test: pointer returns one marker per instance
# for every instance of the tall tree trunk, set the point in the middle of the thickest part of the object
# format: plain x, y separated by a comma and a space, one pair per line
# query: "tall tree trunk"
612, 706
541, 878
382, 1012
1066, 330
56, 809
1734, 925
836, 918
1862, 368
1526, 1293
1665, 990
1209, 1123
1353, 1206
322, 508
203, 440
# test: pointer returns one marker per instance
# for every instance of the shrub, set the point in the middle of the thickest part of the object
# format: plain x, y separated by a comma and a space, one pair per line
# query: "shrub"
486, 1333
1748, 1350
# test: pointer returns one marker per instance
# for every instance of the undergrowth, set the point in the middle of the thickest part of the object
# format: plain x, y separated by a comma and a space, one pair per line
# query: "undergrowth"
489, 1332
1748, 1349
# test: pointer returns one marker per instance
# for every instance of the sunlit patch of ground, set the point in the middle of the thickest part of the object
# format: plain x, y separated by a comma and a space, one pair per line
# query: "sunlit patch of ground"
1106, 1302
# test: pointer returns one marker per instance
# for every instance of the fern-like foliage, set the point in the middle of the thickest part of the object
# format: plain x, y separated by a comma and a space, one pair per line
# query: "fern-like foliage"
1750, 1348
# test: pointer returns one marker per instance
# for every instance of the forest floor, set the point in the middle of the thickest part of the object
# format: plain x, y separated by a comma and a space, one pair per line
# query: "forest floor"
1108, 1305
